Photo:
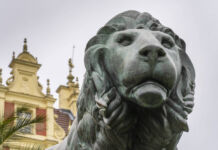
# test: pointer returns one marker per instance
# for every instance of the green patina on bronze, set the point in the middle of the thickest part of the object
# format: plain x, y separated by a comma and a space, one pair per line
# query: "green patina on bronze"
138, 88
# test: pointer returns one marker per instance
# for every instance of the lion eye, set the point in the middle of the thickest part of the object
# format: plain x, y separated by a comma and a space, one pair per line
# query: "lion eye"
125, 40
153, 27
167, 43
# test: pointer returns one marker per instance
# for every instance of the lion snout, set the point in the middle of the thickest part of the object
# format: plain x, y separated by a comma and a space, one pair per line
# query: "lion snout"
152, 53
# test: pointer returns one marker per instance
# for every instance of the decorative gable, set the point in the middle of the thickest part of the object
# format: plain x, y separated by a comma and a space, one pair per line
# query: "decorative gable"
24, 74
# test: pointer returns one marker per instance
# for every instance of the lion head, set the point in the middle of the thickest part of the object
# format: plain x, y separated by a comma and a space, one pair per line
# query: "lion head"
143, 59
146, 63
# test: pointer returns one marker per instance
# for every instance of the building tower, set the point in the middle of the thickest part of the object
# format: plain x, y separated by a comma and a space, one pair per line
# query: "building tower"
68, 94
23, 89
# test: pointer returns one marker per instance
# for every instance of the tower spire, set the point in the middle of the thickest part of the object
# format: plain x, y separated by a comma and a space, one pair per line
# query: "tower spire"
70, 77
73, 54
48, 90
13, 55
77, 82
0, 76
25, 45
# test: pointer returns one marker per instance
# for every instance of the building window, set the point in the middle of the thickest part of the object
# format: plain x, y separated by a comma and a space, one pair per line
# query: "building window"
22, 116
6, 148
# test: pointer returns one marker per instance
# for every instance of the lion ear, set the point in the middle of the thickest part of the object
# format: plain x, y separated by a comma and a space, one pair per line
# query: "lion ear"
94, 63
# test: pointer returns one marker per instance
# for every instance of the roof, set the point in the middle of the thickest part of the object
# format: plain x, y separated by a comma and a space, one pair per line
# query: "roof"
26, 56
64, 118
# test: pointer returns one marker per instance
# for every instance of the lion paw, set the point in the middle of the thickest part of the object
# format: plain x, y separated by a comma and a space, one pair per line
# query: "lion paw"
115, 112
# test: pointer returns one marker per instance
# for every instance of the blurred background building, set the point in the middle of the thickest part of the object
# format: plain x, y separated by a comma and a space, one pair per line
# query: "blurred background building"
22, 89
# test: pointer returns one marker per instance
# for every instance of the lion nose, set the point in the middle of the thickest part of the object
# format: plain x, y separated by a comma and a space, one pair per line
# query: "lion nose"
152, 52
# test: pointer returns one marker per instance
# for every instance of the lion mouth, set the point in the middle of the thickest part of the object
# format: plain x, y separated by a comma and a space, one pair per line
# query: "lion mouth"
150, 94
155, 83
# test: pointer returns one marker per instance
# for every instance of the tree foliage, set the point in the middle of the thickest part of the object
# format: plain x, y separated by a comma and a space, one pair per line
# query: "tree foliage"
10, 126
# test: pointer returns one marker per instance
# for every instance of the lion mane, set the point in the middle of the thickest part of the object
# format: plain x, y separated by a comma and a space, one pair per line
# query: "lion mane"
154, 129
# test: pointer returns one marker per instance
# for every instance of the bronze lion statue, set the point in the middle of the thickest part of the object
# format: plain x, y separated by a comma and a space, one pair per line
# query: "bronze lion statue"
138, 88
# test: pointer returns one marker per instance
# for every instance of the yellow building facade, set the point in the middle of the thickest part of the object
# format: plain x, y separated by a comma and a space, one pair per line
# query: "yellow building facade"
23, 89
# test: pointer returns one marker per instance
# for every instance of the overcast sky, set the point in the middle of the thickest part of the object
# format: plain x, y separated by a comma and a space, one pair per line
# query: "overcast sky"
52, 27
